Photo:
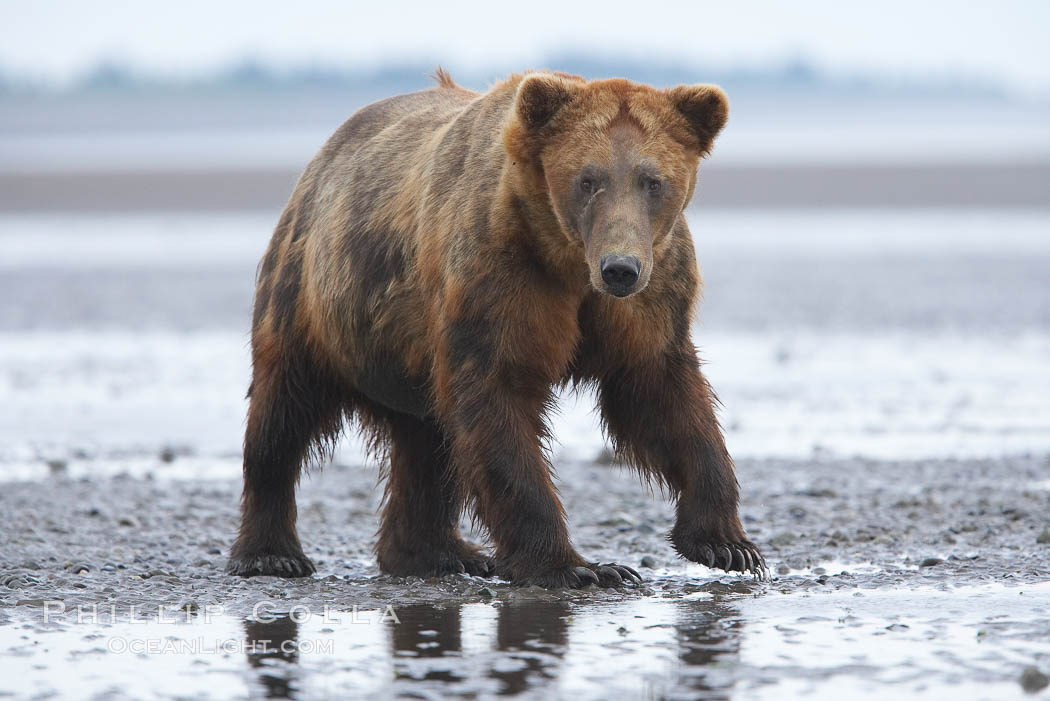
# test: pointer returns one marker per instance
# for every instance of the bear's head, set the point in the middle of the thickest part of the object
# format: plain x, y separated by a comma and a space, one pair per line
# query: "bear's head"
618, 162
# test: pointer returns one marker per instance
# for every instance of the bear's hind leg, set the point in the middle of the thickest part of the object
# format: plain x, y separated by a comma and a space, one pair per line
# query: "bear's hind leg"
419, 534
293, 406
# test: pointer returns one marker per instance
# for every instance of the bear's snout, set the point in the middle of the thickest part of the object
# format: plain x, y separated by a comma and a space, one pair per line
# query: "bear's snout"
620, 274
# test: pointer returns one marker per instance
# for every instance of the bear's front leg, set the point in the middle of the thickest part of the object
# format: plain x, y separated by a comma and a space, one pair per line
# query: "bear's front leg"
493, 410
661, 417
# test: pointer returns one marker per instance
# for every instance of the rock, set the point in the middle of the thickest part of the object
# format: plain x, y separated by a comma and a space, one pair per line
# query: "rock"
782, 539
1044, 537
487, 592
931, 562
648, 561
783, 569
1033, 681
127, 522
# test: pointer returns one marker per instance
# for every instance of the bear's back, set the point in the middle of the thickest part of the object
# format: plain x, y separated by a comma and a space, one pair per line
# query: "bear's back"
395, 124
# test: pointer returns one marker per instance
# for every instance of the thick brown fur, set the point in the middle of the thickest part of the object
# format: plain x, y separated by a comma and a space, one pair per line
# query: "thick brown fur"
439, 270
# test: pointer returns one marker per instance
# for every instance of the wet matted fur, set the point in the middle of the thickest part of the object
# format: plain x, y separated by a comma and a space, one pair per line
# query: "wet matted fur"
446, 262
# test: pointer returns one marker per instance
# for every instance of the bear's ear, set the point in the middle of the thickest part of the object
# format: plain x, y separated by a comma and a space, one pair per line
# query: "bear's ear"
705, 108
540, 96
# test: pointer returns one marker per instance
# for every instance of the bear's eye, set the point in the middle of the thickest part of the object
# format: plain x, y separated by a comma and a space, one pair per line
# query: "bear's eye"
653, 186
587, 185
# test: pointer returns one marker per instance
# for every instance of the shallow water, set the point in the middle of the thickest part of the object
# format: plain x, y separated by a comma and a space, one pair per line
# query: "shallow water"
924, 643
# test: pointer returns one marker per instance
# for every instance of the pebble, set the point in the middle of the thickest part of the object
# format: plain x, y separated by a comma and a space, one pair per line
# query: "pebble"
782, 539
12, 581
487, 592
783, 569
648, 561
620, 519
931, 562
57, 466
819, 493
1033, 681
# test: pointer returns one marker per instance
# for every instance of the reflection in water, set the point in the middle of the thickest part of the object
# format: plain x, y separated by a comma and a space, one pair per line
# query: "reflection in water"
534, 634
429, 632
270, 642
561, 645
656, 648
538, 634
708, 635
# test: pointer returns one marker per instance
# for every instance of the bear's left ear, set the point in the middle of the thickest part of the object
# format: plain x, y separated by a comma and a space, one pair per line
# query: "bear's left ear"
540, 96
705, 108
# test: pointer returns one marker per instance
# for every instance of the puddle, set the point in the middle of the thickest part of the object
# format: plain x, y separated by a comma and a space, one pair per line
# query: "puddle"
925, 643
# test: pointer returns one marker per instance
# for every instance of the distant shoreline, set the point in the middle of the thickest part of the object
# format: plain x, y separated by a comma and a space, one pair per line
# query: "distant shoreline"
954, 185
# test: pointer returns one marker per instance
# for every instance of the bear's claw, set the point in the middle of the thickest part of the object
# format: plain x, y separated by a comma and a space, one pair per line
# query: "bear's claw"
609, 574
617, 574
586, 575
270, 565
743, 557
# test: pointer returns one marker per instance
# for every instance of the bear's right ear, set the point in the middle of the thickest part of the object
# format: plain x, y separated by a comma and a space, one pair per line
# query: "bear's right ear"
540, 96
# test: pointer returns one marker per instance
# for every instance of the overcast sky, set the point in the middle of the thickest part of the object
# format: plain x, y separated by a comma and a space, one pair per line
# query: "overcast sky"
1007, 41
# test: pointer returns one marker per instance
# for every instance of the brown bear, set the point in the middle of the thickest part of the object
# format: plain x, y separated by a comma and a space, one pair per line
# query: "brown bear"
446, 262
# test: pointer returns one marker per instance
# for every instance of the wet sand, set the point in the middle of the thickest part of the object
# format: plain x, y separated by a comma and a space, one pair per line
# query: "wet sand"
1001, 185
937, 565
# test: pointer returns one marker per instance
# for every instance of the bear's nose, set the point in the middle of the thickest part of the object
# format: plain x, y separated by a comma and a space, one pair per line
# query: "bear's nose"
620, 273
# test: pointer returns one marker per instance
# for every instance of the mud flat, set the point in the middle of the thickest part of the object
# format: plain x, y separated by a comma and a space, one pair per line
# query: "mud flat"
925, 578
